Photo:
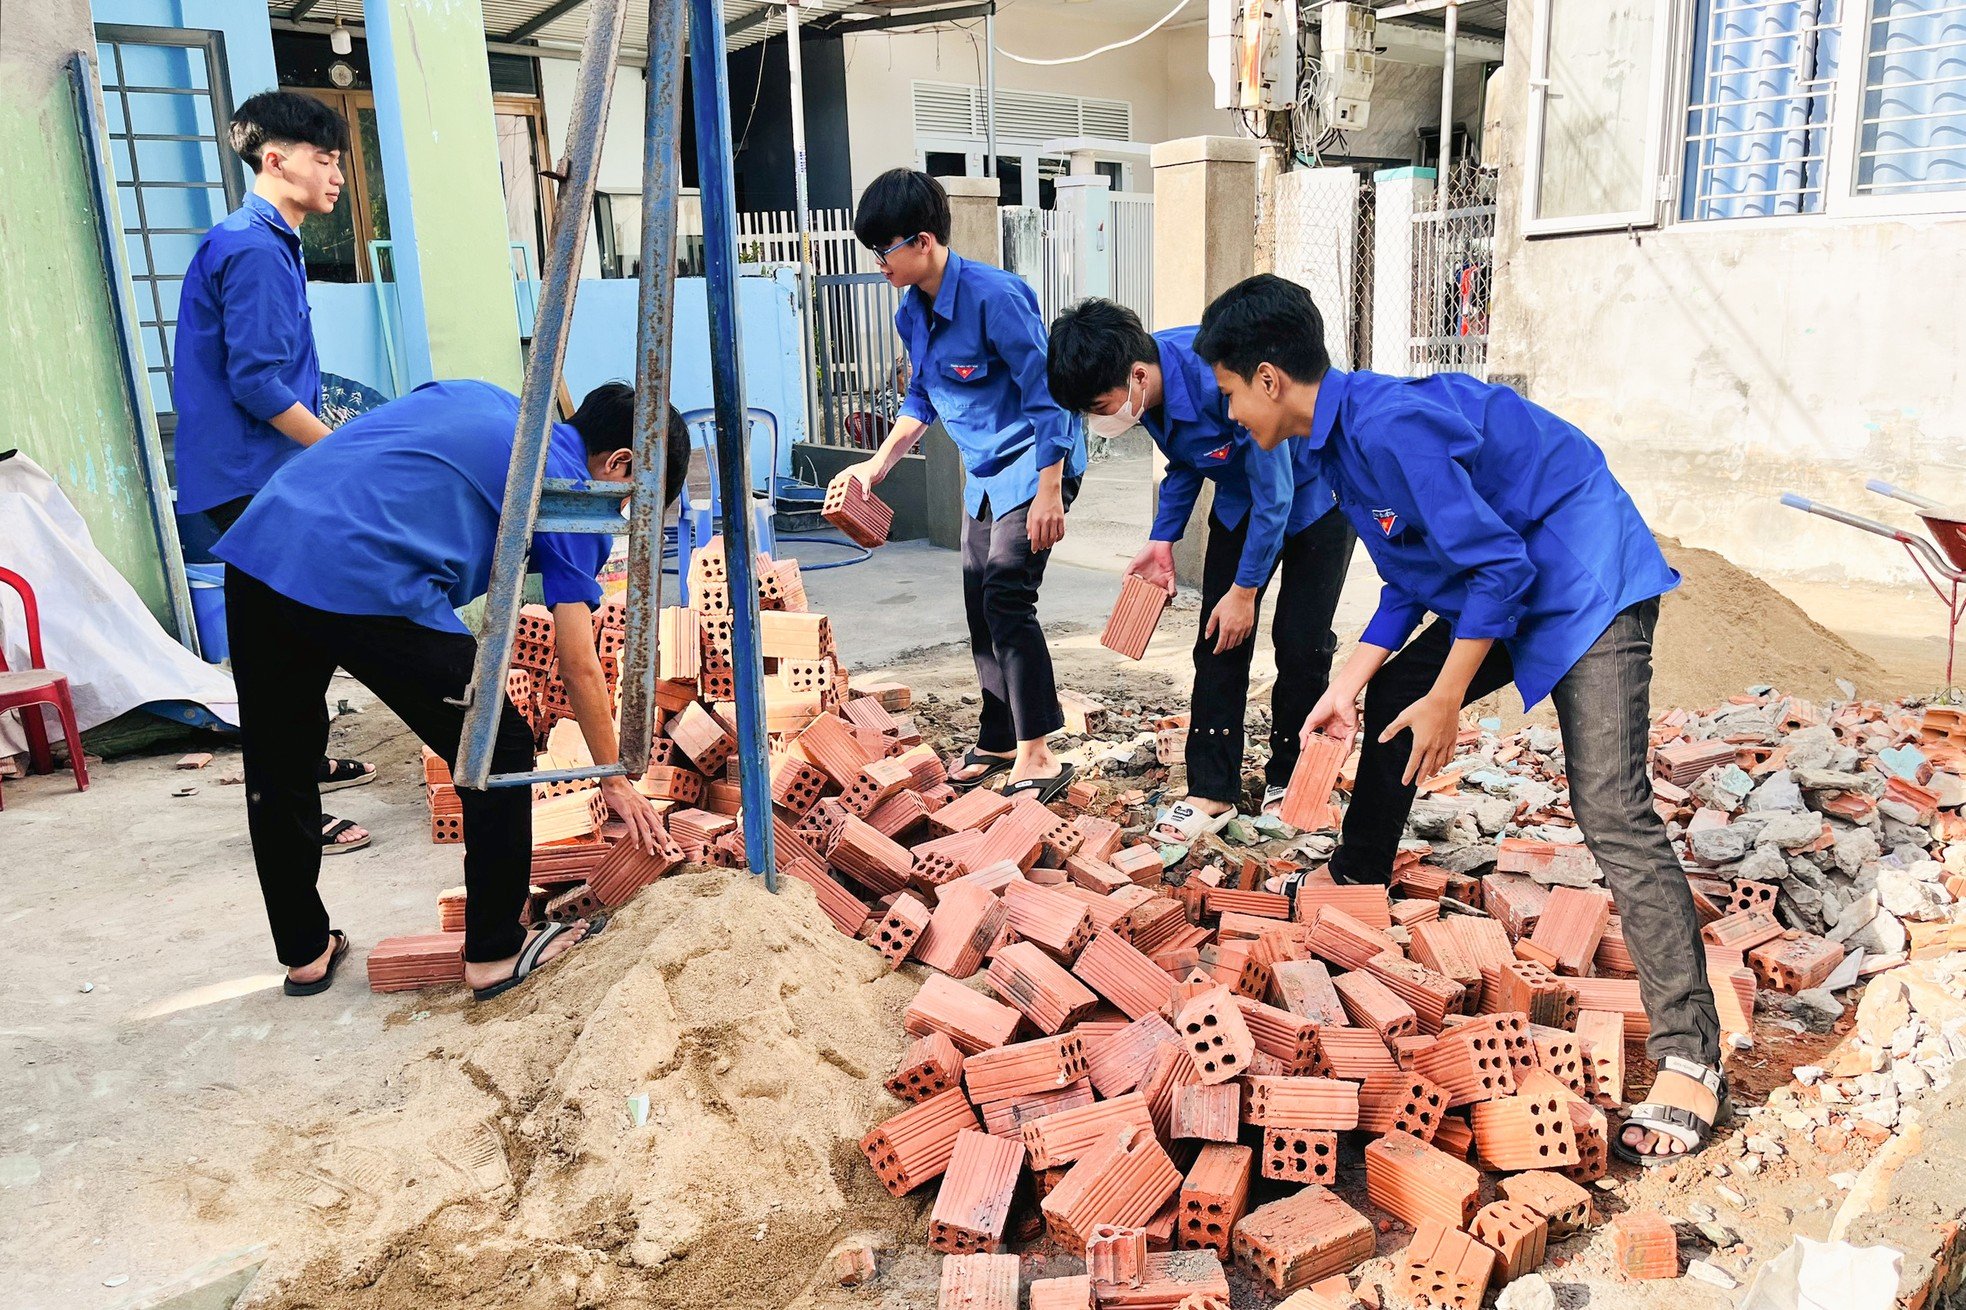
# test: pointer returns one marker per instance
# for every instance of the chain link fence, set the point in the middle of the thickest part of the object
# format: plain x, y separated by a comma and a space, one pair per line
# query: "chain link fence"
1454, 277
1324, 243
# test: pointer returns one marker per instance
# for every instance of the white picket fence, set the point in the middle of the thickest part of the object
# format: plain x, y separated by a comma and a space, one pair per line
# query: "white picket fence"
1132, 247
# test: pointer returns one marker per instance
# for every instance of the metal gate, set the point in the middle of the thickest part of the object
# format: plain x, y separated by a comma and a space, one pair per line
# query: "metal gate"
1454, 278
1133, 252
861, 378
1039, 246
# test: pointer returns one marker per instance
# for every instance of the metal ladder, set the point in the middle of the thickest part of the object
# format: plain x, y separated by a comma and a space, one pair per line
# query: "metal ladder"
535, 503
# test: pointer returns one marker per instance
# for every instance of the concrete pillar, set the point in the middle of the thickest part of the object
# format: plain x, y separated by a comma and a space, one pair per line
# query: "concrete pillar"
452, 261
1204, 243
975, 232
1398, 194
1088, 203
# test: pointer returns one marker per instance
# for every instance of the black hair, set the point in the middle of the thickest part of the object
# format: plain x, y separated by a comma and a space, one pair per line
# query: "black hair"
285, 118
1264, 320
1094, 345
606, 423
901, 203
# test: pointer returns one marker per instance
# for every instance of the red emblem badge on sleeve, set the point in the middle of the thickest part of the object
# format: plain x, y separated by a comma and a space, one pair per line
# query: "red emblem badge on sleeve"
1388, 520
1220, 452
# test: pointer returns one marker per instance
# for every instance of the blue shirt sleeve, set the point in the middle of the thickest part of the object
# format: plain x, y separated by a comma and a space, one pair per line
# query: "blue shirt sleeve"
1427, 486
1272, 490
567, 564
916, 404
1180, 487
1014, 329
1393, 622
261, 326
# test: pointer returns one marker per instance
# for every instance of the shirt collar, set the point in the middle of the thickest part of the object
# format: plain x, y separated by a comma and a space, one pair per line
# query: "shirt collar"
945, 295
272, 216
1324, 415
1176, 398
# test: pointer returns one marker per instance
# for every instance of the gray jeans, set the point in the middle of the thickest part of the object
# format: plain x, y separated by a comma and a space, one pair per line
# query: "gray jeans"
1603, 706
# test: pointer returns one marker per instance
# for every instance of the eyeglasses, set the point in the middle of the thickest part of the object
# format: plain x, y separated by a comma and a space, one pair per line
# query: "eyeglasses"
880, 256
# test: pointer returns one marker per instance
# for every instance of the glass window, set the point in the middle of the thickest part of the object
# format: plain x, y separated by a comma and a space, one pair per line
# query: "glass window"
1912, 140
1758, 112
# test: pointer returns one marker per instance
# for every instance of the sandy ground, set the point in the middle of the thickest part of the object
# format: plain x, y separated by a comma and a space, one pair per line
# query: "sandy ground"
161, 1103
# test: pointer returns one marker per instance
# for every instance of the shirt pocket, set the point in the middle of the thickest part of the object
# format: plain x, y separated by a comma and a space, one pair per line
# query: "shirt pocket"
966, 373
963, 390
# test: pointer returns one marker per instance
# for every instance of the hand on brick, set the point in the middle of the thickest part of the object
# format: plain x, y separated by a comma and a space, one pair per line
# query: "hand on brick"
1435, 722
633, 809
1155, 564
868, 471
1233, 619
1334, 715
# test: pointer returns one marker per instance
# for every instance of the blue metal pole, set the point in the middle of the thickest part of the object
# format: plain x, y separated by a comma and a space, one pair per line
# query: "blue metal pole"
713, 165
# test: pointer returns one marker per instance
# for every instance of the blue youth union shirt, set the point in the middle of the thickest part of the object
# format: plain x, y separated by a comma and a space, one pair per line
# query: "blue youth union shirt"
1281, 492
397, 513
1487, 510
245, 352
979, 365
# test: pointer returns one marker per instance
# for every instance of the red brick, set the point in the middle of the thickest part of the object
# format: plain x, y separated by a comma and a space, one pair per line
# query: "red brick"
1518, 1236
1304, 987
1527, 855
1207, 1112
1118, 1062
1172, 1069
1142, 864
1056, 923
1007, 1118
1292, 1243
1571, 924
1123, 1180
1307, 800
1345, 941
1795, 965
1069, 1293
1523, 1132
1644, 1245
1116, 1255
1172, 1280
856, 511
1368, 904
1443, 1269
431, 959
1135, 616
914, 1147
1352, 1053
1743, 930
1062, 1137
1559, 1055
895, 935
964, 926
974, 1200
930, 1066
627, 868
1007, 1072
1563, 1203
1414, 1182
1601, 1045
1532, 989
1039, 988
1215, 1035
795, 785
1120, 973
1324, 1104
978, 1282
876, 783
1400, 1102
1431, 995
1300, 1155
1371, 1004
1213, 1197
973, 1021
1468, 1066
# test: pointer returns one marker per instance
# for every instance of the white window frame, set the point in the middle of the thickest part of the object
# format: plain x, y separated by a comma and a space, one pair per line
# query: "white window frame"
1652, 160
1841, 199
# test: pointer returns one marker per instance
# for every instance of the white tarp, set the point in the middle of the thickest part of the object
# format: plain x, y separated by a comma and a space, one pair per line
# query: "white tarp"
94, 628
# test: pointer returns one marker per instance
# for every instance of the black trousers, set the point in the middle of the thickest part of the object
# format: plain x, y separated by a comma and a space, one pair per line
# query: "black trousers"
1603, 706
1001, 577
1313, 564
283, 655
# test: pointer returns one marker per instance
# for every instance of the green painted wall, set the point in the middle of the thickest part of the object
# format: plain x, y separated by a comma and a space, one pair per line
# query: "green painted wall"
62, 400
446, 199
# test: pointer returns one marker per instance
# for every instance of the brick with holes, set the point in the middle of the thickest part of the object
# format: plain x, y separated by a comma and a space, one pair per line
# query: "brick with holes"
1215, 1035
1116, 1255
1039, 988
894, 936
973, 1021
1062, 1137
1024, 1068
1292, 1243
1123, 975
983, 1281
1057, 923
1208, 1112
1523, 1132
1304, 987
1558, 1054
1443, 1269
1213, 1196
974, 1199
1400, 1102
1324, 1104
1119, 1061
1123, 1180
930, 1066
914, 1147
1468, 1066
1300, 1155
1135, 616
1307, 799
1371, 1004
1563, 1203
1518, 1236
1531, 988
1414, 1182
1795, 965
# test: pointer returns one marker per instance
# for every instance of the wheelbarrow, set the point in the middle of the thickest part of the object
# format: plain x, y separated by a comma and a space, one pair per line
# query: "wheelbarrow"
1944, 555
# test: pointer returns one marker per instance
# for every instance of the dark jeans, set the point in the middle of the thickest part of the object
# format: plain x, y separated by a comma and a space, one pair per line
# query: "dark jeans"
1603, 707
1001, 576
1313, 564
224, 516
283, 654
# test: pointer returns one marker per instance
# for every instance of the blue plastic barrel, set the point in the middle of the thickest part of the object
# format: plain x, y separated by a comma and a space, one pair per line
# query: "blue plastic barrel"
208, 608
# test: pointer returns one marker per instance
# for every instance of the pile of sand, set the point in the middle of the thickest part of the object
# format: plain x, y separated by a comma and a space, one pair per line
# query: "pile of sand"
1724, 629
509, 1174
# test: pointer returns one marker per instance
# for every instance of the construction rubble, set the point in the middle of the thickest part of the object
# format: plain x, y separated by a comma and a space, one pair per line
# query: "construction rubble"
1136, 1057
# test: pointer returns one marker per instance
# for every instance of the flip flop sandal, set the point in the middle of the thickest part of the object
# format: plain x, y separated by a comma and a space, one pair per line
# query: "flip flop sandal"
331, 844
326, 980
1182, 822
529, 957
346, 773
1047, 790
991, 765
1681, 1125
1272, 796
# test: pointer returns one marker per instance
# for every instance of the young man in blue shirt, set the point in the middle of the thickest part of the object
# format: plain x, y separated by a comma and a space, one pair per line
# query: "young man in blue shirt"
1272, 510
357, 554
246, 381
975, 341
1503, 521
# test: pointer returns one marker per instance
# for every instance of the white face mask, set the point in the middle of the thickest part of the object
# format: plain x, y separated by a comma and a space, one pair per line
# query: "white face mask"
1118, 423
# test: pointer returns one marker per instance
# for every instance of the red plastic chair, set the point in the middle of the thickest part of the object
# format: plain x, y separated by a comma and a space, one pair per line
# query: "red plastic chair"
37, 685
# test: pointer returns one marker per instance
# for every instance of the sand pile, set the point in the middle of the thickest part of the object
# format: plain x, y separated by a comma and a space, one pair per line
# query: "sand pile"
1724, 629
509, 1173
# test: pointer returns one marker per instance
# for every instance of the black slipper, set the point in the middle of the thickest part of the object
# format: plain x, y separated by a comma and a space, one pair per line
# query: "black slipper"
991, 765
529, 957
326, 980
329, 835
1046, 789
333, 775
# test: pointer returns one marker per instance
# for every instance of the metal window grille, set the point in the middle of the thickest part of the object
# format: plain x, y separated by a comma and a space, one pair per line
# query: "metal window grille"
1758, 113
165, 100
1912, 135
1454, 277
